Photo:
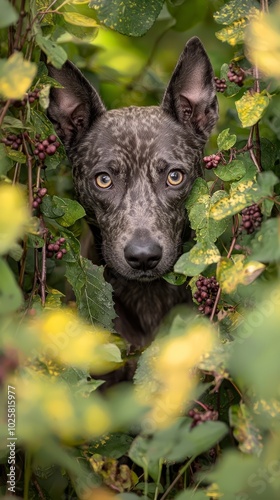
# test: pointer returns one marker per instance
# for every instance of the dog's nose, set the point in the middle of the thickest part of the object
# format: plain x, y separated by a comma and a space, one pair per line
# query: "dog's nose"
143, 255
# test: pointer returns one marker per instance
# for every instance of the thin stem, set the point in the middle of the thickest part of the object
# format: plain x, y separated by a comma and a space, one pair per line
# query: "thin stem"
22, 264
201, 404
158, 479
37, 486
233, 241
251, 150
16, 173
43, 279
180, 473
29, 165
4, 111
22, 14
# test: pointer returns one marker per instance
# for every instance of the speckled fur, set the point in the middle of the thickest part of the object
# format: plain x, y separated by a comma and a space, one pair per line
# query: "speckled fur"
138, 147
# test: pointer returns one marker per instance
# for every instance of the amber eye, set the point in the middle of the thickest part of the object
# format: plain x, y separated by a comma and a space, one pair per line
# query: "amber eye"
175, 177
103, 181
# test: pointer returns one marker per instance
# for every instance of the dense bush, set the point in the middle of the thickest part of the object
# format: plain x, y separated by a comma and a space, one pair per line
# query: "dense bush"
201, 419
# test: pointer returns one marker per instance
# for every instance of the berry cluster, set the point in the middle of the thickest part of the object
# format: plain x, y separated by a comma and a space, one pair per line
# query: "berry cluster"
12, 140
8, 363
207, 289
212, 161
30, 97
38, 195
236, 75
220, 84
46, 147
251, 219
200, 417
54, 248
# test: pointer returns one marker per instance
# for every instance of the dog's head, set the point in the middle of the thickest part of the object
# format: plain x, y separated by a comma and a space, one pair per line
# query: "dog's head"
134, 167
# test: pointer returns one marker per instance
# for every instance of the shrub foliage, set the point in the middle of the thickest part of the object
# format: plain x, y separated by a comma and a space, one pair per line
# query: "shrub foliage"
201, 418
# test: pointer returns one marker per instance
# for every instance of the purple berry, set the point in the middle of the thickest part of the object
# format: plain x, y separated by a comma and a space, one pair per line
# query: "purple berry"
51, 150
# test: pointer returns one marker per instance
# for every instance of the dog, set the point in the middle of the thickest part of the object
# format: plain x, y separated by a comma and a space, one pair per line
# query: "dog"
133, 169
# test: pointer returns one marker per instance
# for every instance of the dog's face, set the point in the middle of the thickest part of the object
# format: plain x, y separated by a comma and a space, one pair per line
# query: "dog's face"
133, 168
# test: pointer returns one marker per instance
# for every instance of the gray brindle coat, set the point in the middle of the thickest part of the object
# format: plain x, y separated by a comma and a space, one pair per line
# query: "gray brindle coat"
133, 169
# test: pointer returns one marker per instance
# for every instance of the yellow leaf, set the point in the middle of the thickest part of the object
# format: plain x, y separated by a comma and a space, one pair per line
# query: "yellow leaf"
263, 42
70, 341
250, 107
240, 197
14, 216
173, 372
79, 20
16, 76
234, 33
233, 272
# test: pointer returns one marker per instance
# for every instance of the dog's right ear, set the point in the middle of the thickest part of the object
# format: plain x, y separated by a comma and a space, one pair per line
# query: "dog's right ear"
74, 107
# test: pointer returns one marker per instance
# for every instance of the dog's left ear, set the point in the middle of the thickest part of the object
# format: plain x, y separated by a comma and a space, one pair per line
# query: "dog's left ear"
191, 94
74, 107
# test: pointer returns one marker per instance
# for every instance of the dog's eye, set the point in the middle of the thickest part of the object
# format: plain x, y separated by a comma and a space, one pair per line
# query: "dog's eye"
175, 177
103, 181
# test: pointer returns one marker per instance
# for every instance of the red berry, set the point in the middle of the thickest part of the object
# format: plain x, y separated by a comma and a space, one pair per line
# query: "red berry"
42, 156
59, 255
51, 149
52, 138
42, 192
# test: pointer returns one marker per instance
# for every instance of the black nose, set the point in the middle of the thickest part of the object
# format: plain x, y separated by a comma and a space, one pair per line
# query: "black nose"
143, 255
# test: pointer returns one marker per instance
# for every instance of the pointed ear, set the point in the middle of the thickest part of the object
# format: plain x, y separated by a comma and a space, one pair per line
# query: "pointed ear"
191, 94
74, 107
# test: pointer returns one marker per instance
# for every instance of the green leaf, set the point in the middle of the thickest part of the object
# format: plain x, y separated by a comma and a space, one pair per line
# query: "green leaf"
79, 19
113, 445
187, 13
231, 171
50, 209
11, 122
56, 55
258, 340
199, 189
16, 76
5, 163
251, 107
72, 211
233, 10
206, 228
130, 18
233, 34
191, 495
193, 442
244, 430
233, 485
139, 453
16, 156
266, 182
93, 294
226, 140
16, 252
241, 196
9, 14
10, 293
265, 246
195, 261
175, 279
